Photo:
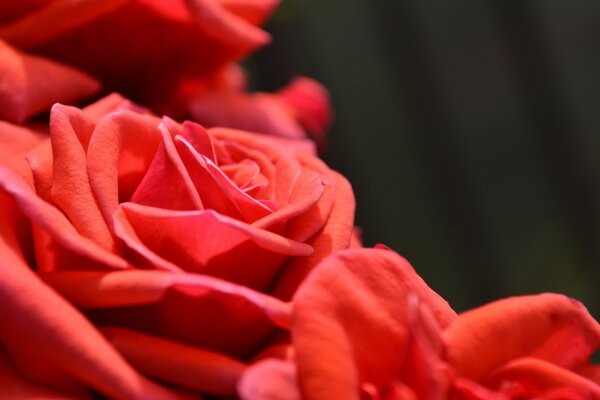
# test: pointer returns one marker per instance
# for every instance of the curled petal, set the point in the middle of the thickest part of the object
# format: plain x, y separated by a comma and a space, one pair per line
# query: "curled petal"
334, 235
207, 242
224, 26
70, 132
550, 327
56, 18
139, 287
177, 363
541, 376
52, 221
353, 297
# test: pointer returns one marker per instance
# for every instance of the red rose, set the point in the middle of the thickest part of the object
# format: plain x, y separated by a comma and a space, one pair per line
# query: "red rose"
365, 326
179, 245
169, 55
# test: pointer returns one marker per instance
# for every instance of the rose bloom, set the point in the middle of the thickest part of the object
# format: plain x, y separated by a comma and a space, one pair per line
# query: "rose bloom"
169, 55
366, 326
141, 258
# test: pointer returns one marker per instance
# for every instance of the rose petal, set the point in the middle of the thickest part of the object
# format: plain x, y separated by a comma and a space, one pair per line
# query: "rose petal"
334, 235
226, 27
549, 327
54, 222
17, 140
54, 19
309, 102
136, 287
25, 89
253, 11
52, 342
270, 379
168, 173
256, 112
207, 242
177, 363
120, 152
111, 103
216, 190
15, 386
353, 297
71, 191
540, 375
113, 43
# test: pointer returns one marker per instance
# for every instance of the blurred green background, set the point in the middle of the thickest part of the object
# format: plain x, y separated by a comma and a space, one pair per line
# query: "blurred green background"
469, 129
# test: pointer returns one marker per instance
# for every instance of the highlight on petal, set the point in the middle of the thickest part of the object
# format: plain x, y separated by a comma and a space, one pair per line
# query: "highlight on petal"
177, 363
548, 327
350, 322
270, 379
25, 89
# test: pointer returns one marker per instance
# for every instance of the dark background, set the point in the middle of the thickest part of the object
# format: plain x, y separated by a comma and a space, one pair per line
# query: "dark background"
469, 129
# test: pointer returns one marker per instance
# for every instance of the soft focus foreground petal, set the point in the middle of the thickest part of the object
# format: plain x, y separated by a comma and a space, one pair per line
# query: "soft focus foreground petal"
177, 363
334, 235
349, 324
54, 222
207, 242
550, 327
52, 342
25, 89
270, 379
541, 375
137, 287
14, 386
309, 101
70, 132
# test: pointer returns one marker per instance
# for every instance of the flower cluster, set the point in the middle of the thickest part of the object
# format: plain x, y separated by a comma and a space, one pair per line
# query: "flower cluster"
146, 258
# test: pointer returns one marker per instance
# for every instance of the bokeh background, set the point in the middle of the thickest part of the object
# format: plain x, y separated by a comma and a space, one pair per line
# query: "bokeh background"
469, 129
